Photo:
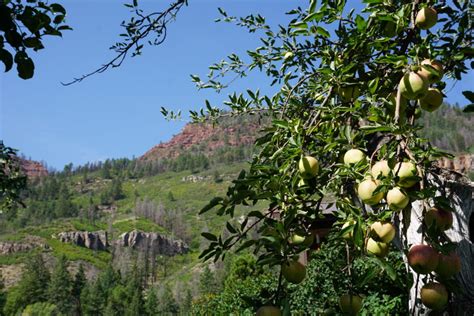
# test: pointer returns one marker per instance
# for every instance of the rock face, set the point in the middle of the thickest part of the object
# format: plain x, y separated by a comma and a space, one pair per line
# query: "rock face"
91, 240
206, 138
462, 164
7, 248
143, 249
161, 245
33, 169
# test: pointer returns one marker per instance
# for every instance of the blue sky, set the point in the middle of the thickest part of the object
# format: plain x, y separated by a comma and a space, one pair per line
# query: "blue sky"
117, 113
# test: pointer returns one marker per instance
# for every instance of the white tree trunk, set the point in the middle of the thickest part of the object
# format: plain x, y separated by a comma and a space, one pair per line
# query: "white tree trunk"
461, 195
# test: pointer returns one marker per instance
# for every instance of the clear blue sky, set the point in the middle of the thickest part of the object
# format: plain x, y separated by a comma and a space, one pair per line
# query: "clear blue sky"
116, 114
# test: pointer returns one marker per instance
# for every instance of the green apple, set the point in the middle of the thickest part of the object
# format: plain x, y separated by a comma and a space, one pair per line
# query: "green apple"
439, 218
366, 190
434, 296
397, 199
383, 230
380, 168
353, 156
350, 233
413, 86
268, 310
296, 239
431, 70
309, 167
380, 249
348, 93
405, 172
350, 304
448, 265
432, 100
423, 258
426, 18
293, 271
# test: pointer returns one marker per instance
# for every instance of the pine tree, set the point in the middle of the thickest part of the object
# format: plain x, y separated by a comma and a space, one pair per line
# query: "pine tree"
80, 282
92, 301
207, 282
167, 302
60, 288
151, 303
187, 303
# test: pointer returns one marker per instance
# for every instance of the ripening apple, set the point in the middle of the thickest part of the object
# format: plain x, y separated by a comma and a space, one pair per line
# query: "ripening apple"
448, 265
413, 86
380, 249
296, 239
309, 167
366, 190
439, 218
348, 93
383, 230
350, 233
353, 156
350, 304
293, 271
431, 70
380, 168
397, 199
432, 100
434, 296
405, 172
268, 310
426, 18
423, 258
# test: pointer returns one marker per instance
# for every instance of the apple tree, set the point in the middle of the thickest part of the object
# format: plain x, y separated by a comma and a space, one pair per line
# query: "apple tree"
344, 136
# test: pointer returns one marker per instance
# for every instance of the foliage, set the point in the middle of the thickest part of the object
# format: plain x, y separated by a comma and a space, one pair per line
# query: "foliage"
60, 287
23, 28
12, 181
41, 309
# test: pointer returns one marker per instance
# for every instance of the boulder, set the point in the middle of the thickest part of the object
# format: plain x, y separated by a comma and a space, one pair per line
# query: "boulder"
91, 240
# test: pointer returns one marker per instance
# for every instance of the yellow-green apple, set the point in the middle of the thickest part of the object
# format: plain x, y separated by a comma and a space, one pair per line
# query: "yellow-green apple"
439, 218
366, 190
413, 86
383, 230
353, 156
268, 310
380, 249
380, 168
296, 239
423, 258
348, 93
431, 70
397, 199
350, 304
309, 167
434, 296
426, 18
405, 172
293, 271
432, 100
350, 233
448, 265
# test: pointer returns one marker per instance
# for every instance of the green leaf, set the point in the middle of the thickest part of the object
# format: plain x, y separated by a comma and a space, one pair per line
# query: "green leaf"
7, 59
230, 228
469, 95
56, 7
209, 236
469, 108
214, 202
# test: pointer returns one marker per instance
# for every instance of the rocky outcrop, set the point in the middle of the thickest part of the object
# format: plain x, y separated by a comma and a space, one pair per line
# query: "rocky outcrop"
145, 250
91, 240
7, 247
33, 169
462, 164
159, 244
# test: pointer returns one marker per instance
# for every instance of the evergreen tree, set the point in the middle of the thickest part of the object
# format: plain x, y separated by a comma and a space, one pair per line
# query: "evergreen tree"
207, 282
3, 294
187, 304
32, 287
151, 303
167, 302
80, 282
92, 300
60, 288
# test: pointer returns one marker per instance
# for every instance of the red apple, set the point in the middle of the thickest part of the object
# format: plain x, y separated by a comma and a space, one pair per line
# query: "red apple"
439, 218
448, 265
434, 296
423, 258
